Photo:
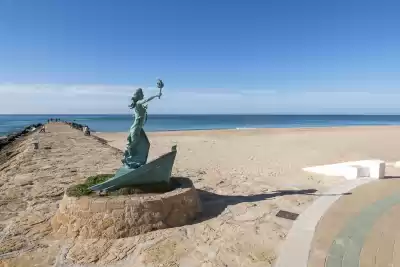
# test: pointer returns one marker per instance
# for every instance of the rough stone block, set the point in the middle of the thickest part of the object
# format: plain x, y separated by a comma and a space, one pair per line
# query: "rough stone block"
128, 215
113, 204
118, 214
98, 206
83, 203
84, 214
105, 223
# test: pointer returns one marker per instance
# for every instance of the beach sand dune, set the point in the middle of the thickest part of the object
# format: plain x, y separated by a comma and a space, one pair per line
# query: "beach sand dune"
244, 178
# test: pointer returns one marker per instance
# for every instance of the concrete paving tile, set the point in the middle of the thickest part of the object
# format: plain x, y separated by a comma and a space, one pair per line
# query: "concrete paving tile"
358, 229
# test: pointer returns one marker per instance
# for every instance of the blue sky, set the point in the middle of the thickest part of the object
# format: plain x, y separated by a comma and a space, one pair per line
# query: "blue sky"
258, 56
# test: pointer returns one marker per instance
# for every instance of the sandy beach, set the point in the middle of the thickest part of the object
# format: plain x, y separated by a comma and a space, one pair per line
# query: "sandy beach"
272, 157
244, 177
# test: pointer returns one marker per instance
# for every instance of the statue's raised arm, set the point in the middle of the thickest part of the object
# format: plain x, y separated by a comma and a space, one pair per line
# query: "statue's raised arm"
138, 97
143, 101
160, 86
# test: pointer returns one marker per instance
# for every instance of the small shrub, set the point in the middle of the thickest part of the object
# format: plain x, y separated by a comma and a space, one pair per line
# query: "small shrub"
83, 189
160, 187
98, 179
78, 190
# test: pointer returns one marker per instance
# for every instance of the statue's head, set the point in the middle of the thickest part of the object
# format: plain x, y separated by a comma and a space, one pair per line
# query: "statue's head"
138, 95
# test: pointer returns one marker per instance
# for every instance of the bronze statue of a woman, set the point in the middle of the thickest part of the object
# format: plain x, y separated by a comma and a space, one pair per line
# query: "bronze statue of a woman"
138, 145
136, 170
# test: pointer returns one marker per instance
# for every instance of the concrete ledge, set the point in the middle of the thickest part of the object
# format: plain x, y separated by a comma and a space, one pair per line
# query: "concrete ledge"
123, 216
352, 170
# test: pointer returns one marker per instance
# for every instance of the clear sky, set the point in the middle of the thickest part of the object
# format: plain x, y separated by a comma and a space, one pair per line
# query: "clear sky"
215, 56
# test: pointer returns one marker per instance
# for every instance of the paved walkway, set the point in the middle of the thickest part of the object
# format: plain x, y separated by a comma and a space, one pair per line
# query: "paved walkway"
360, 228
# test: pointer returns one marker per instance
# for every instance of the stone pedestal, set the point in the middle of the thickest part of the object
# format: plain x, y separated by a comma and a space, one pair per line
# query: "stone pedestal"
122, 216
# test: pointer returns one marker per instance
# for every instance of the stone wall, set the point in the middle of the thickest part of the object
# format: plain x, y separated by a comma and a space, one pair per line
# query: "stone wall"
122, 216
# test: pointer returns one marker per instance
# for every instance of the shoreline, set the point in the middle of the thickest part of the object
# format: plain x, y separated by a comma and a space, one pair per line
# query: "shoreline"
203, 122
239, 131
261, 130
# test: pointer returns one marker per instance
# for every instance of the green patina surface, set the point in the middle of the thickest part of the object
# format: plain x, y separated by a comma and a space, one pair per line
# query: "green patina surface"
156, 171
138, 145
136, 170
346, 248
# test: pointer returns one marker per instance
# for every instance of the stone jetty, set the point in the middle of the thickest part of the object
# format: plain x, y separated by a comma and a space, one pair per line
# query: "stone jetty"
32, 182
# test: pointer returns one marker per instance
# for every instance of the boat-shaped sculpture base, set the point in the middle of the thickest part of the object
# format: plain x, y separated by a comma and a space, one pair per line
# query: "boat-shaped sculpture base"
156, 171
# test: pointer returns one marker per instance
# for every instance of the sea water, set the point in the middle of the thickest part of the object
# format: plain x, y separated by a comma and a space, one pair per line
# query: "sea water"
121, 123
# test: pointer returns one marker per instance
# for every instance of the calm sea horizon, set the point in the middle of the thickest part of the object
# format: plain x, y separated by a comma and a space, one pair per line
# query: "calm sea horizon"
122, 122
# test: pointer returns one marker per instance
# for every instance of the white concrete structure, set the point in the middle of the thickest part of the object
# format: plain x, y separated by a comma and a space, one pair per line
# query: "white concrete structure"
352, 169
396, 164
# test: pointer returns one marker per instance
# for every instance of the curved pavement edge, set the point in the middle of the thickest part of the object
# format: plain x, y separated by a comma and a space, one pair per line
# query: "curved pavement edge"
295, 250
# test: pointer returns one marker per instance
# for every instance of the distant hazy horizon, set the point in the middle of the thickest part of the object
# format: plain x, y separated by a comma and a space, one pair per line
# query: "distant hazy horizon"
205, 114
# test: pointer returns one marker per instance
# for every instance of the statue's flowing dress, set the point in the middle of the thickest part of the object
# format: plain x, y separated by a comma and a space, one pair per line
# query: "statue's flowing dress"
138, 145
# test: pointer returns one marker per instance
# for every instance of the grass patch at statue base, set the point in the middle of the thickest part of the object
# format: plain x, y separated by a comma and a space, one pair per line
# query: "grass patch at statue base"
83, 189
